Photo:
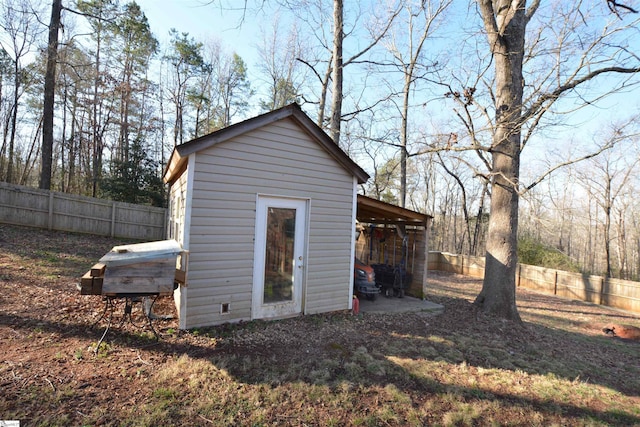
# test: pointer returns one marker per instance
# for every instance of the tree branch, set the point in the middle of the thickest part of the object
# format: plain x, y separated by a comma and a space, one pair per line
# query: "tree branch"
312, 68
551, 97
614, 5
375, 40
489, 20
610, 144
532, 10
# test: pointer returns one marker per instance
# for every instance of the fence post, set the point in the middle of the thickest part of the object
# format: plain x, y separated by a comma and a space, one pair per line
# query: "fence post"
113, 219
50, 222
555, 283
425, 268
165, 225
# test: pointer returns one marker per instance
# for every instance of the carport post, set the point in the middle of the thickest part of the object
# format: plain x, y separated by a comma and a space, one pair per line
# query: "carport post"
426, 258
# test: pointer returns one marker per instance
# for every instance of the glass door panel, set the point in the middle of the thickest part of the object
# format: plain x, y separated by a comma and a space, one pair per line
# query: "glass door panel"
279, 259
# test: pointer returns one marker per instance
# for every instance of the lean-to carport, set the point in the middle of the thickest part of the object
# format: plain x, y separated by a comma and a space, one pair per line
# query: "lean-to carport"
379, 221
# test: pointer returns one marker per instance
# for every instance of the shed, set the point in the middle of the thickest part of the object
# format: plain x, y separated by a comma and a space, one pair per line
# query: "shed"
266, 210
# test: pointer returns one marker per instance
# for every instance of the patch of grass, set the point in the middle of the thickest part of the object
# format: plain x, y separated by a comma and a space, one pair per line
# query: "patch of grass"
48, 257
462, 414
102, 350
165, 394
145, 336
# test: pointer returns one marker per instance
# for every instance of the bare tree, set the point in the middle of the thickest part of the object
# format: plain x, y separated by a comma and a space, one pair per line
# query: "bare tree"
337, 70
635, 239
421, 19
279, 66
49, 95
331, 77
20, 25
505, 23
606, 179
463, 202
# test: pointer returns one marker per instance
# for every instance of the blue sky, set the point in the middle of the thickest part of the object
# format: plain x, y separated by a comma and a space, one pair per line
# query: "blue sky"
203, 21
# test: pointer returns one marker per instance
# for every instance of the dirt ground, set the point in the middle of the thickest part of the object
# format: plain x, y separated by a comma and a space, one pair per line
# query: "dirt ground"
48, 342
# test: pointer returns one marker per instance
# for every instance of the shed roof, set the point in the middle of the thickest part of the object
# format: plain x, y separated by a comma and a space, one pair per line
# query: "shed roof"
177, 161
374, 211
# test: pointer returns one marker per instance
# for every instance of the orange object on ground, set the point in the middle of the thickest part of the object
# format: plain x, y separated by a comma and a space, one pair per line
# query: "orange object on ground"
627, 332
355, 308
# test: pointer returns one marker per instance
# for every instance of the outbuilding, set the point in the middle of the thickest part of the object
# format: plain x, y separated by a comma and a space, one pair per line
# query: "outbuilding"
266, 210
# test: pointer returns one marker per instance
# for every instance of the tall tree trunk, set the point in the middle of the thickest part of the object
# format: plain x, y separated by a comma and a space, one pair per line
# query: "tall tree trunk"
607, 238
125, 100
476, 231
4, 136
97, 141
14, 124
3, 149
49, 96
403, 135
621, 246
28, 162
505, 26
336, 102
63, 139
71, 187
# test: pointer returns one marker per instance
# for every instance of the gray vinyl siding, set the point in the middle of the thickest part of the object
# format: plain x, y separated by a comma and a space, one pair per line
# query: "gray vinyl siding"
277, 160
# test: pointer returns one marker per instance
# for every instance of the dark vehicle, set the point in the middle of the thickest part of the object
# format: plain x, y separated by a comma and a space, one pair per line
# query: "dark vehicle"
364, 280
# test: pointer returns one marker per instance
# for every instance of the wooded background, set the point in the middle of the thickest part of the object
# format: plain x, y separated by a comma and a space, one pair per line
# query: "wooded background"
408, 95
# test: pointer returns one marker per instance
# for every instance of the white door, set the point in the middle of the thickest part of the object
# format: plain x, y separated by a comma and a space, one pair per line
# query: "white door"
279, 257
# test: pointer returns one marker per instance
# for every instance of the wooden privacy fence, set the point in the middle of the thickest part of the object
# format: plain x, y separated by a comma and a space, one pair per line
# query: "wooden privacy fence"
21, 205
623, 294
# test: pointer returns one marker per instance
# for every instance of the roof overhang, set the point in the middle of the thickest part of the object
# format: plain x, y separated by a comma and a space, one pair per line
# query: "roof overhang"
372, 211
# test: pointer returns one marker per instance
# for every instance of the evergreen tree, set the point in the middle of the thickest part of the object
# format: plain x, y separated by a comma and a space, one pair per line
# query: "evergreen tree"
135, 180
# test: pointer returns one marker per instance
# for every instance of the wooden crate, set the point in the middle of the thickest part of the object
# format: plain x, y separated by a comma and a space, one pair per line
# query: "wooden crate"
141, 268
90, 284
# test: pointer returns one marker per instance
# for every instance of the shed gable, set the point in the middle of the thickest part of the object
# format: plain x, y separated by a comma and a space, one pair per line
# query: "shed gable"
177, 162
